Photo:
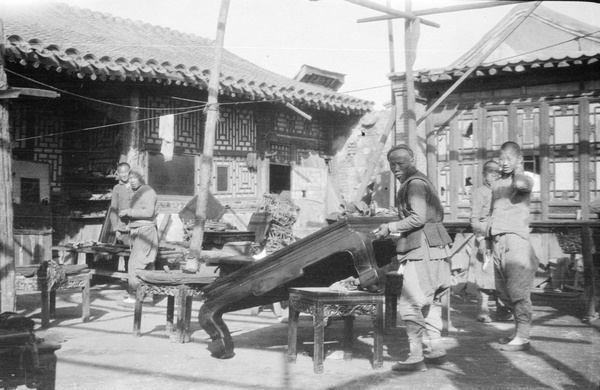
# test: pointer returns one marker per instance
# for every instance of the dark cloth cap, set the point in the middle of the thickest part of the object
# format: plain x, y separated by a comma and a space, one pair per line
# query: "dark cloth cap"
138, 171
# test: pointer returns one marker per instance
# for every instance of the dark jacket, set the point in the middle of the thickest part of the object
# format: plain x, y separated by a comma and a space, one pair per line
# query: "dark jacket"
433, 228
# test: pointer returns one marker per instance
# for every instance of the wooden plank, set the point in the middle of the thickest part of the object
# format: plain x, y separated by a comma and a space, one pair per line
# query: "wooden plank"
164, 227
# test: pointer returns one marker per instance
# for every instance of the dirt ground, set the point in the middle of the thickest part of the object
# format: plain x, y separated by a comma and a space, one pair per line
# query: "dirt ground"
103, 354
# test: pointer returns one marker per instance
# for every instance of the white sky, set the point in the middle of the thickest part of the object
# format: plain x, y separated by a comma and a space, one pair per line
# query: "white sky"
282, 35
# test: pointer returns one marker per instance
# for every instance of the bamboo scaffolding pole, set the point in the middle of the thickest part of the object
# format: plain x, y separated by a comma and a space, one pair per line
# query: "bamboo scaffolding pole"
382, 8
212, 118
433, 11
479, 61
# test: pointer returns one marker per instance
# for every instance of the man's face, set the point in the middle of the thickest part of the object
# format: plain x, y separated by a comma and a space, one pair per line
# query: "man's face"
123, 173
509, 161
492, 172
135, 181
400, 162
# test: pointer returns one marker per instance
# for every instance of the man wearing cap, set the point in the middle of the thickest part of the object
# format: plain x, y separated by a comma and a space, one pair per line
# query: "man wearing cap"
422, 253
141, 221
120, 200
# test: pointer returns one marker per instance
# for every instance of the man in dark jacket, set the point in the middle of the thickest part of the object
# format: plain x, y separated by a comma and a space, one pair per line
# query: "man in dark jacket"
422, 251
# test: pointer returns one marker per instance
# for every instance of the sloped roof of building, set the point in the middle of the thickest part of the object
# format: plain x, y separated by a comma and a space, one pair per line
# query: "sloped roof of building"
101, 46
544, 39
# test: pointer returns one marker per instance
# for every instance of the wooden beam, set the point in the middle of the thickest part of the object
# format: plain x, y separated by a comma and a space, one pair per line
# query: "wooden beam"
13, 93
391, 11
212, 117
481, 58
298, 111
433, 11
8, 300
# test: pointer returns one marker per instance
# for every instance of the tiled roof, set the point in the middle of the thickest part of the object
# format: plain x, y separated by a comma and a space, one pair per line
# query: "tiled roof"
545, 39
99, 46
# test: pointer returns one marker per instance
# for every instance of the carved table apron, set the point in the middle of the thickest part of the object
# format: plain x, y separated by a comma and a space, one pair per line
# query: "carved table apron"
322, 303
179, 289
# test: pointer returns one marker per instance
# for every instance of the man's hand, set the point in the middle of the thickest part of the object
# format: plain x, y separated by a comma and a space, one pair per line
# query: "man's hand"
123, 213
382, 231
350, 283
118, 235
520, 170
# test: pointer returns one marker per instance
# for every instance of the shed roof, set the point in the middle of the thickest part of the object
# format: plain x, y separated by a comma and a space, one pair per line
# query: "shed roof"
101, 46
544, 39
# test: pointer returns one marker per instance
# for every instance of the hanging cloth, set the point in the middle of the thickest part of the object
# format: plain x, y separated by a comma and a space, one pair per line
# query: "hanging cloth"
166, 131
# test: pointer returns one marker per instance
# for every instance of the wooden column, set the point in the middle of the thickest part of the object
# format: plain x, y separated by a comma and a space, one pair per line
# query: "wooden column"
584, 157
130, 148
480, 137
545, 160
587, 242
7, 261
456, 176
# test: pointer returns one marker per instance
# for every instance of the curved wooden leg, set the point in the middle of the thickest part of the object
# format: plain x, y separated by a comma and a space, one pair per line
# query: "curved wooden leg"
212, 322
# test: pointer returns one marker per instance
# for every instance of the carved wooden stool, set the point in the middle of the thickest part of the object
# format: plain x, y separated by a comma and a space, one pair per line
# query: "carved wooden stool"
179, 288
322, 303
76, 277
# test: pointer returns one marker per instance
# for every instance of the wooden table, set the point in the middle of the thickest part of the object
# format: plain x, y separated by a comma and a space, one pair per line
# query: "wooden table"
90, 251
179, 288
79, 279
322, 303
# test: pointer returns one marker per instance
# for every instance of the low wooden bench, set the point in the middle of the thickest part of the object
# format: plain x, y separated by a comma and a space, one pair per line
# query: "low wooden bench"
76, 276
322, 303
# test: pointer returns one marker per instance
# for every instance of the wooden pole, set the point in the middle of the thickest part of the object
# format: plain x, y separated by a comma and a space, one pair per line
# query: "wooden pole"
482, 58
392, 52
433, 11
382, 8
212, 118
411, 35
7, 261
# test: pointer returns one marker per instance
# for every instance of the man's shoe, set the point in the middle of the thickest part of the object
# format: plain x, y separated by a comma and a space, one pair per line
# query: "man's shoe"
413, 363
485, 319
515, 347
505, 340
503, 316
437, 357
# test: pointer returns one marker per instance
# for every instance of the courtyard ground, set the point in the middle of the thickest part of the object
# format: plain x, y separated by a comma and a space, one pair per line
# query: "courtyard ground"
103, 354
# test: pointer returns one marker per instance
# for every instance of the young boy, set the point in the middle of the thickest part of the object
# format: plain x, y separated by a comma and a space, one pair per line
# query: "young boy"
481, 203
514, 264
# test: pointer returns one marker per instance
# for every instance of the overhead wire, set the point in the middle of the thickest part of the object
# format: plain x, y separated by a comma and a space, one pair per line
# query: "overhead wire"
200, 107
